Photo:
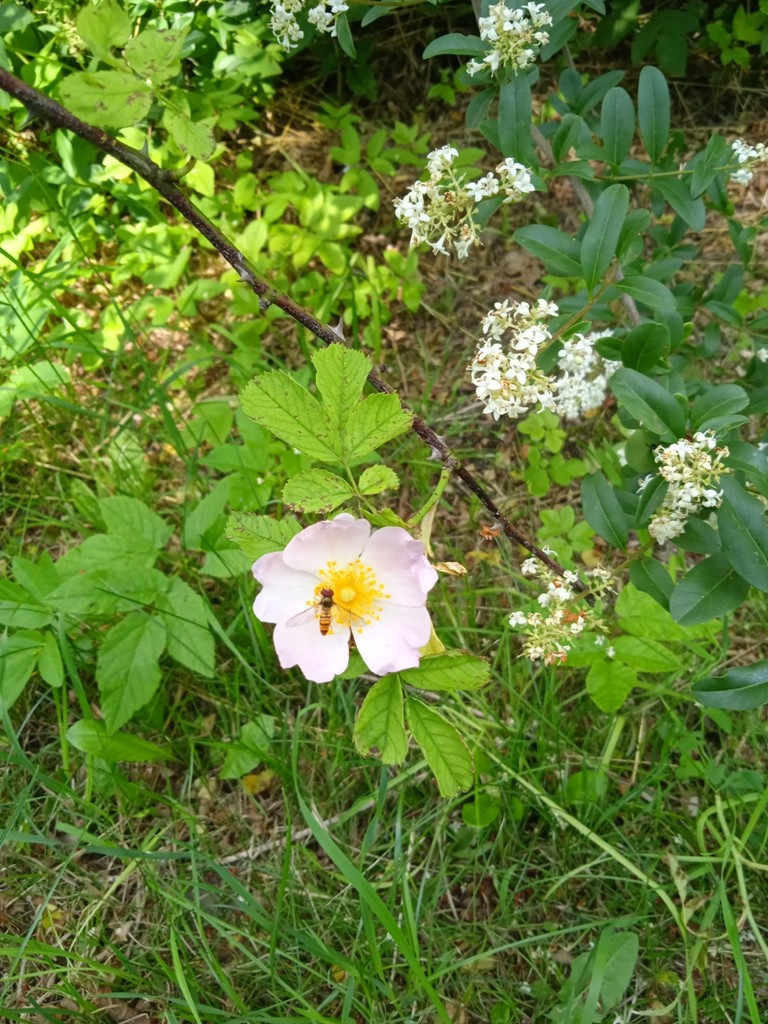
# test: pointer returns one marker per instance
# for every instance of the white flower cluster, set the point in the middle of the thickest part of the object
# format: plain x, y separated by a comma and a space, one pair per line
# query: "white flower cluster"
440, 211
584, 375
286, 28
747, 157
515, 37
549, 637
508, 380
692, 472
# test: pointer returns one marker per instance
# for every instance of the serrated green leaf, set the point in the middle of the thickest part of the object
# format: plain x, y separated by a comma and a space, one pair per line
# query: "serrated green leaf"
156, 55
376, 479
341, 374
131, 519
127, 669
744, 533
599, 241
103, 25
444, 749
224, 563
102, 592
741, 689
448, 672
104, 550
559, 253
106, 99
379, 726
258, 535
609, 683
195, 138
90, 736
653, 111
185, 617
649, 403
603, 511
373, 422
49, 663
17, 609
281, 405
711, 589
617, 124
317, 490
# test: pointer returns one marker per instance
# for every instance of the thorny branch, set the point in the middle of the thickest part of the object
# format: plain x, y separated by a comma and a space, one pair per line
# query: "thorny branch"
165, 182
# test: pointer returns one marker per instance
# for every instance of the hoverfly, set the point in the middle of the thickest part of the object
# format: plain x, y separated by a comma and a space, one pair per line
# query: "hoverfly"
322, 610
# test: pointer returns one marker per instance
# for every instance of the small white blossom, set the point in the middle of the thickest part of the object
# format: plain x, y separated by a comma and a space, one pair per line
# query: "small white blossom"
692, 473
507, 379
584, 374
286, 28
441, 211
515, 37
747, 157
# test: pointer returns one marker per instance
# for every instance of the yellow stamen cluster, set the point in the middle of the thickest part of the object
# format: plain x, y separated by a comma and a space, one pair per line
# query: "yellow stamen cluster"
357, 595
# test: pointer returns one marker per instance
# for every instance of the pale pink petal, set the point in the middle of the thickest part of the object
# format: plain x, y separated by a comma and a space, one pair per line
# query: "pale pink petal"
336, 540
399, 563
392, 643
285, 591
319, 657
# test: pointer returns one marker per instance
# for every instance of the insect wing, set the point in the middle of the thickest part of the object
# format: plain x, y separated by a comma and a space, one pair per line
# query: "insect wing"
307, 615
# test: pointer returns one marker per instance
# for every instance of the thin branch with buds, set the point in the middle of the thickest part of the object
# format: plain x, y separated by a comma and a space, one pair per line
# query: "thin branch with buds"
165, 183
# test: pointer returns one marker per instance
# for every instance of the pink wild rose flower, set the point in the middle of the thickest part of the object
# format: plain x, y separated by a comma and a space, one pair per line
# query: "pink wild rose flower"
339, 579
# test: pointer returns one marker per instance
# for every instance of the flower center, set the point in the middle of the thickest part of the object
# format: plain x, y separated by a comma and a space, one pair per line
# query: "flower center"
358, 597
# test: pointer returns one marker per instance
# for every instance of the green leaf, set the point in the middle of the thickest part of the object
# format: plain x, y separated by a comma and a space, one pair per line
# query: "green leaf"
598, 244
341, 374
653, 111
645, 347
345, 37
645, 655
205, 514
258, 535
103, 25
640, 615
609, 683
373, 422
514, 119
716, 155
559, 253
132, 520
744, 458
317, 490
647, 292
156, 55
650, 498
379, 726
49, 663
649, 403
195, 138
711, 589
617, 124
652, 578
18, 610
104, 550
456, 43
185, 616
719, 401
251, 748
223, 563
127, 669
744, 533
281, 405
18, 656
603, 511
91, 737
677, 194
102, 592
741, 689
444, 749
106, 99
448, 672
376, 479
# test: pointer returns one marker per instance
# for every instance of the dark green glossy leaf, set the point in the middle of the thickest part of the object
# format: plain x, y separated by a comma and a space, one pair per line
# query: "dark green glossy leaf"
559, 253
742, 689
649, 403
711, 589
653, 111
652, 578
744, 533
598, 244
603, 511
617, 124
